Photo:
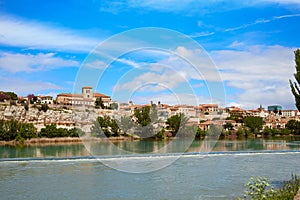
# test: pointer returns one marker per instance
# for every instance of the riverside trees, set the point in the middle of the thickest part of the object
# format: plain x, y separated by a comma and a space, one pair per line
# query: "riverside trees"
254, 123
14, 130
105, 125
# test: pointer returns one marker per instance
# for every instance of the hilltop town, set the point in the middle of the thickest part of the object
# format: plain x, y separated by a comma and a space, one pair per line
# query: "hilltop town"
44, 110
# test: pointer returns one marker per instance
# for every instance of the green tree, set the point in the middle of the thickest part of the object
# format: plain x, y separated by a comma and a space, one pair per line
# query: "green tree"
254, 123
160, 134
14, 130
4, 96
126, 124
293, 126
44, 107
200, 134
143, 116
114, 106
28, 131
51, 131
99, 103
12, 95
105, 125
228, 126
114, 128
295, 86
177, 122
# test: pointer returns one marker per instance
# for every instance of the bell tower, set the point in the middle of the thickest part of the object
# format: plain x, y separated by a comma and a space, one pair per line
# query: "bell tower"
87, 92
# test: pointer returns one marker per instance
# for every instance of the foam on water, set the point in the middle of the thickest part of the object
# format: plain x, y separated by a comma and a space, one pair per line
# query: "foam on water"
132, 157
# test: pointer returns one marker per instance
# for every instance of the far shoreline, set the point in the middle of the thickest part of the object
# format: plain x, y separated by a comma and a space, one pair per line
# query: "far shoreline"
81, 140
64, 140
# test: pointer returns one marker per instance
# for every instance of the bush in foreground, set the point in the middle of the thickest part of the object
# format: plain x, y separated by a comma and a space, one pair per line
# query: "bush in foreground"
259, 188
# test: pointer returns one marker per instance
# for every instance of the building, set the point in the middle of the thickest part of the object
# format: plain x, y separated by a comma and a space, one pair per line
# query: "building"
274, 108
289, 113
209, 108
45, 99
187, 110
87, 97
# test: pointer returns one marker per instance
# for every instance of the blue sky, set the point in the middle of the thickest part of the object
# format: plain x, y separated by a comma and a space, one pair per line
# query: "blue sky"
44, 44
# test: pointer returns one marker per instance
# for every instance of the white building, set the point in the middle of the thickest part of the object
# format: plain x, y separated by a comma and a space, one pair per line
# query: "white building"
88, 98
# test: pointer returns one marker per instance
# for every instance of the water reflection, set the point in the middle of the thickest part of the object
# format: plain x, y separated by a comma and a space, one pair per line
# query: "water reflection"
145, 147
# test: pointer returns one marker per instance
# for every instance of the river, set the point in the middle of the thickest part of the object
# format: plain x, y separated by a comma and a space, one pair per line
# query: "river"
100, 171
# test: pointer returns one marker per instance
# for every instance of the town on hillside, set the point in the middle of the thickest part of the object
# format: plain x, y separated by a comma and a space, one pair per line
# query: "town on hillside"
58, 111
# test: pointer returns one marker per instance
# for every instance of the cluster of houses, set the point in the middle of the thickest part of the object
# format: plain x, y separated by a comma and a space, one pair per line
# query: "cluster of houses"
202, 115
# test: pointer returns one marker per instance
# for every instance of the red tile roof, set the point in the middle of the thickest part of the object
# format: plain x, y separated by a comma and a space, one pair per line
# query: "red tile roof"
101, 95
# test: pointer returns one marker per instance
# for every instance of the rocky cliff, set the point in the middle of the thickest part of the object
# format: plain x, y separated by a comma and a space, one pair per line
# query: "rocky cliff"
64, 118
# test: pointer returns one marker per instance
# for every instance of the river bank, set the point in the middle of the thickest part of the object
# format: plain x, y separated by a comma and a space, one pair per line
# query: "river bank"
65, 140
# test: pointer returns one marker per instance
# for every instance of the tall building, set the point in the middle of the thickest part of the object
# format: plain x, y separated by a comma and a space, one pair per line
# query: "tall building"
88, 98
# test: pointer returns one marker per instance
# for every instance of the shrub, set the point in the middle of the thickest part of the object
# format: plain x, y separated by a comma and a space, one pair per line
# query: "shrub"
259, 188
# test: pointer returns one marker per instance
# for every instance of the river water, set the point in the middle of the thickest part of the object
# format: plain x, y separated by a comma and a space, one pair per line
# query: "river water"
70, 171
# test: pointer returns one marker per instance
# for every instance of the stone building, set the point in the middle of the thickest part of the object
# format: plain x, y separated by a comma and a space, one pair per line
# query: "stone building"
87, 97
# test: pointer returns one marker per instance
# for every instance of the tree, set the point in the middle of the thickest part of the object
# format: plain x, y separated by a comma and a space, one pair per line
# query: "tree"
200, 133
295, 86
12, 95
228, 126
126, 124
28, 131
4, 96
105, 125
293, 126
99, 103
114, 106
32, 98
143, 116
44, 107
254, 123
176, 122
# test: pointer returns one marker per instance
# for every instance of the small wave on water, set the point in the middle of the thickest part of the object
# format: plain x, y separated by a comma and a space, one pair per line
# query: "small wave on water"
149, 156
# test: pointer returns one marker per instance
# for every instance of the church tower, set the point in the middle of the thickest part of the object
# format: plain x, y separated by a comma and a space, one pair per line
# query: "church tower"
87, 92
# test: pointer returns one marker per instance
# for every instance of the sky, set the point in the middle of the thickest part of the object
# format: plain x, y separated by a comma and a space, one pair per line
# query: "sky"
234, 52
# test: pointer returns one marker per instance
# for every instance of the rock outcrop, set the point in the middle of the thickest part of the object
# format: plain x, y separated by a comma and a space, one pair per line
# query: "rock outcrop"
64, 118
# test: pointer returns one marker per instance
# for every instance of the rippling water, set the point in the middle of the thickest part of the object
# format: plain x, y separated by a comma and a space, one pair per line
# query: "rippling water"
70, 172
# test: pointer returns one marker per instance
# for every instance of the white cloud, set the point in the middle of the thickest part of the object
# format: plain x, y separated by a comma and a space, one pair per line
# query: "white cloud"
150, 81
23, 87
236, 44
189, 6
31, 34
195, 63
174, 99
261, 21
129, 62
96, 64
262, 63
201, 34
260, 72
31, 63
